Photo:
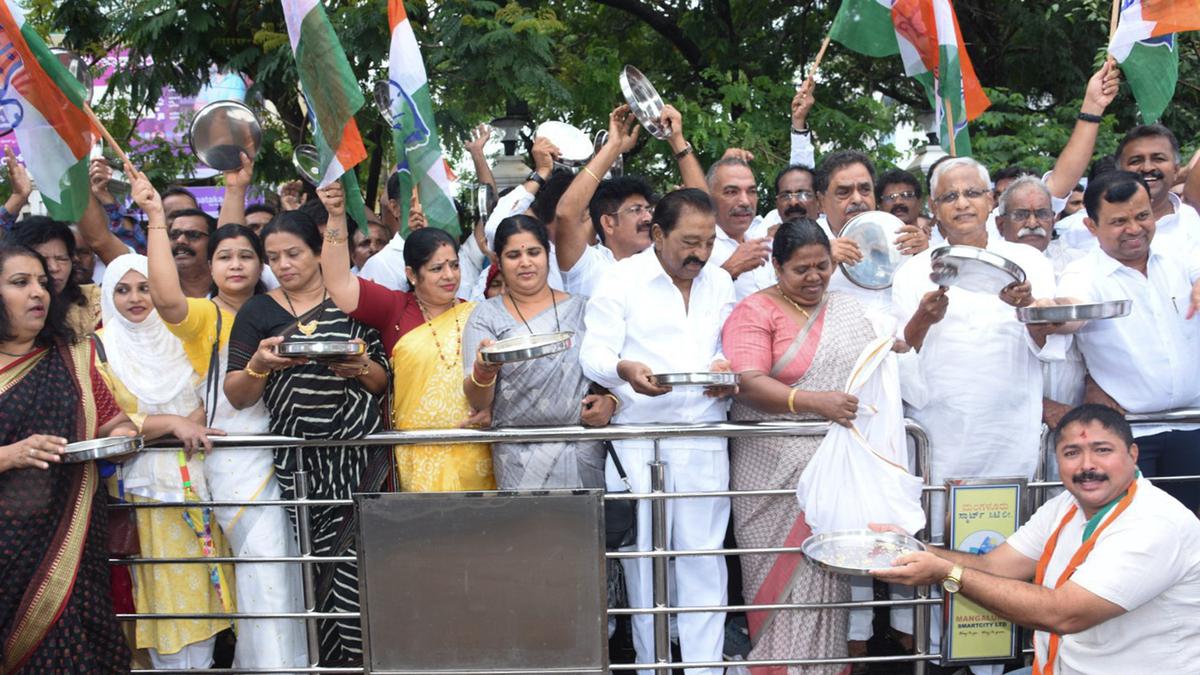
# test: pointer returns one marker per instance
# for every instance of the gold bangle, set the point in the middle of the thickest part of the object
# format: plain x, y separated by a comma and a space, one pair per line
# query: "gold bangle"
255, 374
481, 385
592, 174
616, 401
157, 227
792, 401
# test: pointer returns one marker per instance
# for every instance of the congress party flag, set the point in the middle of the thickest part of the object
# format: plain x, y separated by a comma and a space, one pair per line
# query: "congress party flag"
418, 151
43, 105
1144, 47
333, 96
925, 34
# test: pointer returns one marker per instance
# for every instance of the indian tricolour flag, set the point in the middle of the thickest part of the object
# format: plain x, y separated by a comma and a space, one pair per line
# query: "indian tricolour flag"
418, 150
43, 105
925, 34
333, 96
1144, 46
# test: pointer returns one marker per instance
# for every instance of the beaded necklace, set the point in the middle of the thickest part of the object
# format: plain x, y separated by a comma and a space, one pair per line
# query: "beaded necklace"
429, 322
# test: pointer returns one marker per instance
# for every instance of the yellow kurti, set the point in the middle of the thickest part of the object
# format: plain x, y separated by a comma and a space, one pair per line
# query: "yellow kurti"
428, 394
183, 588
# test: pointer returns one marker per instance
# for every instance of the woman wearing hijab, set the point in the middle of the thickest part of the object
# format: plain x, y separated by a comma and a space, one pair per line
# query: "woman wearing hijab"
155, 385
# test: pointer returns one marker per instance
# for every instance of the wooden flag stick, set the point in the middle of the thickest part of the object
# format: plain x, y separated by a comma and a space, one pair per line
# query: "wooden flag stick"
948, 113
107, 136
1113, 18
816, 64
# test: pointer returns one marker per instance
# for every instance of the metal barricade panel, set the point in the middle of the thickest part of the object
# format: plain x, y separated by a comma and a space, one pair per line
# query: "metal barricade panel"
504, 581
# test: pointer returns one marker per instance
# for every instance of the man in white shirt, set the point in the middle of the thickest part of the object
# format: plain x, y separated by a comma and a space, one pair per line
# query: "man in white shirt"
742, 242
615, 210
1114, 563
661, 311
386, 267
1150, 360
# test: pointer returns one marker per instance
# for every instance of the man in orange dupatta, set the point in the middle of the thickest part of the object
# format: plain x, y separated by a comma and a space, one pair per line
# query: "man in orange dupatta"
1114, 563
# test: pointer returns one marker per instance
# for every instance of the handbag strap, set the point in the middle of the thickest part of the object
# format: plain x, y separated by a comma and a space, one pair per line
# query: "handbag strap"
612, 452
214, 362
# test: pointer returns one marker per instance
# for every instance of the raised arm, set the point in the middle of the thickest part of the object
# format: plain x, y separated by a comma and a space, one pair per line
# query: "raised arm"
690, 170
802, 152
237, 183
165, 288
479, 138
21, 186
571, 230
93, 226
1073, 162
335, 254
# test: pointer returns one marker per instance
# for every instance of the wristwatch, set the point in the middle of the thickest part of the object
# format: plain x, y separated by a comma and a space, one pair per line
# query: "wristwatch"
953, 581
537, 178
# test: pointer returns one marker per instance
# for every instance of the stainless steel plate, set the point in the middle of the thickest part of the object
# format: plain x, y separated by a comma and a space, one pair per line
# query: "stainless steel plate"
974, 269
526, 347
101, 448
1081, 312
221, 131
856, 552
78, 69
644, 100
874, 232
704, 379
320, 349
307, 160
574, 146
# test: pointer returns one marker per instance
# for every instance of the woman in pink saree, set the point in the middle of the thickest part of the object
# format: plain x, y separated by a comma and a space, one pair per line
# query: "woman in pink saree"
794, 345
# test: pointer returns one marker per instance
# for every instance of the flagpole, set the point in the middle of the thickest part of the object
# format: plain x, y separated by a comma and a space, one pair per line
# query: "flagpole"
1113, 18
816, 65
948, 113
107, 136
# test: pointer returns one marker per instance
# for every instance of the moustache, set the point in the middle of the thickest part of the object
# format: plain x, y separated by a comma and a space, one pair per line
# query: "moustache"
796, 210
692, 260
899, 208
1032, 232
856, 208
741, 211
1157, 175
182, 250
1089, 475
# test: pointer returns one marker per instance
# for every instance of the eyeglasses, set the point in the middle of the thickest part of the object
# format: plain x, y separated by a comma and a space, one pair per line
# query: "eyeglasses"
969, 193
1022, 215
895, 196
190, 235
797, 196
636, 210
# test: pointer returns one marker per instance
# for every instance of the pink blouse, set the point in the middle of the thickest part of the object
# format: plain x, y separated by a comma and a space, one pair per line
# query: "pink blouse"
758, 333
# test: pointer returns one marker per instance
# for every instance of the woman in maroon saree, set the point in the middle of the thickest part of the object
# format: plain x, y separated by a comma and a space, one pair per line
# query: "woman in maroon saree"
794, 345
55, 610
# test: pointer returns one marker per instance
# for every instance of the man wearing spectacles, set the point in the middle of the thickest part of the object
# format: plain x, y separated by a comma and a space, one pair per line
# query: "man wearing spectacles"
189, 231
899, 193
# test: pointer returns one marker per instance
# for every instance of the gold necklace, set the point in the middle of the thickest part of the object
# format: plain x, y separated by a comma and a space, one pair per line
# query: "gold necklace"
429, 322
305, 328
779, 289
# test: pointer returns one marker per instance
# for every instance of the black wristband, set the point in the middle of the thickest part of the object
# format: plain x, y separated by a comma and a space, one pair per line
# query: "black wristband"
801, 132
1088, 117
537, 178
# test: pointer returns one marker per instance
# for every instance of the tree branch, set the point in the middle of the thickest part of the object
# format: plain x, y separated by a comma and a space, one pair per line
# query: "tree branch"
664, 27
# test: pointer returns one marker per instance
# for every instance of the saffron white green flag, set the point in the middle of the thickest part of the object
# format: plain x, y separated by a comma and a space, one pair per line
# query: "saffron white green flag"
333, 96
925, 34
1144, 47
43, 105
418, 150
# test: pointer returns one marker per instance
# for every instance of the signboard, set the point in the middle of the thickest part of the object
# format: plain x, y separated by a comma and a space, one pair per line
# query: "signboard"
981, 515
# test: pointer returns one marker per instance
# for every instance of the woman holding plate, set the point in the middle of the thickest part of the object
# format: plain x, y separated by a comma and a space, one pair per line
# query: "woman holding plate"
236, 258
422, 330
794, 345
316, 400
546, 391
153, 382
57, 613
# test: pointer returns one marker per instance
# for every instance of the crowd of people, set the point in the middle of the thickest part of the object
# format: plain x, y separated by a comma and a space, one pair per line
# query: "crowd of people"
167, 324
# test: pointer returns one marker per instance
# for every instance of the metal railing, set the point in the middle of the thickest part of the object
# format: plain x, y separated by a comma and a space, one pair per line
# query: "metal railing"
659, 553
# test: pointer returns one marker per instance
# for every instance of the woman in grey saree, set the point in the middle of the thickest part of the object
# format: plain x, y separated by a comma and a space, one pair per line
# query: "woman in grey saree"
794, 345
547, 391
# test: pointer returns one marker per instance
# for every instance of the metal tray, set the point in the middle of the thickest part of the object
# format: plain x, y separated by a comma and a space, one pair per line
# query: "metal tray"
101, 448
526, 347
574, 146
1088, 311
856, 552
704, 379
320, 350
222, 131
974, 269
875, 234
644, 101
307, 161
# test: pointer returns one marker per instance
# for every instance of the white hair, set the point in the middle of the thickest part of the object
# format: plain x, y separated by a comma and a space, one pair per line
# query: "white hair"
955, 163
1020, 184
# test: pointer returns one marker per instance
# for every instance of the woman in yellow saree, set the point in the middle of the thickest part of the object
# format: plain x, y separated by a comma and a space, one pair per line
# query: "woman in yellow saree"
422, 330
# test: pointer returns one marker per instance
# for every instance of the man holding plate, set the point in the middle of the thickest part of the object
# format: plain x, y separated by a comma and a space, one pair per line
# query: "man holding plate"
661, 311
1107, 573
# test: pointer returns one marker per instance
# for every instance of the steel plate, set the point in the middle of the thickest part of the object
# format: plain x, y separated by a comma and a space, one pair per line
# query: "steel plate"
702, 379
644, 101
526, 347
856, 552
574, 146
102, 448
320, 349
875, 233
974, 269
307, 160
222, 131
1089, 311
